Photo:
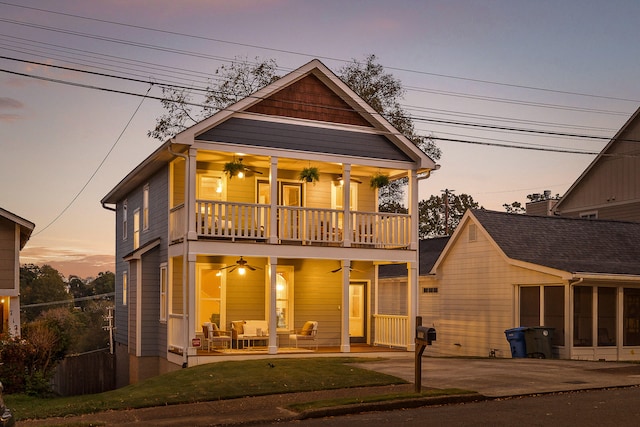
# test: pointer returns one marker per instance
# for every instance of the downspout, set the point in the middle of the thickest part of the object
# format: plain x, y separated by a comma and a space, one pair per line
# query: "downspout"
185, 264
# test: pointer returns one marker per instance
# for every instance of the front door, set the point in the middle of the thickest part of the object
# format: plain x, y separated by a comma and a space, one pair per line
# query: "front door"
357, 312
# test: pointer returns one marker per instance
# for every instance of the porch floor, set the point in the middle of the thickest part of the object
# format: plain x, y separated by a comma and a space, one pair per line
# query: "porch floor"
355, 348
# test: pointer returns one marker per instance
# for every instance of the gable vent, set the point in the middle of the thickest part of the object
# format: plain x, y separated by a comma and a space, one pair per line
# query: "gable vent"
473, 233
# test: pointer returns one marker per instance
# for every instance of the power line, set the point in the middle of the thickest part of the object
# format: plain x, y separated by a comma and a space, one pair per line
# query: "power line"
407, 70
96, 170
415, 118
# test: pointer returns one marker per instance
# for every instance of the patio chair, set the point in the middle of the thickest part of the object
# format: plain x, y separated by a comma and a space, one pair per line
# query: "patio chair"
308, 333
215, 337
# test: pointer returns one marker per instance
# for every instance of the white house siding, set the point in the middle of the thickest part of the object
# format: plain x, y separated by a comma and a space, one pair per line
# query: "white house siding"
475, 302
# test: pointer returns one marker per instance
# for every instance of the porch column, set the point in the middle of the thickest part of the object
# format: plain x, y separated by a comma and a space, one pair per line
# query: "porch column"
272, 318
346, 205
190, 194
345, 343
414, 213
412, 303
273, 200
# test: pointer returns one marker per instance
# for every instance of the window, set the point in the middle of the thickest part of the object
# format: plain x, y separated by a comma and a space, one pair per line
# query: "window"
163, 292
429, 290
136, 229
589, 215
124, 220
530, 306
337, 196
284, 297
631, 317
554, 312
145, 208
607, 316
582, 316
125, 279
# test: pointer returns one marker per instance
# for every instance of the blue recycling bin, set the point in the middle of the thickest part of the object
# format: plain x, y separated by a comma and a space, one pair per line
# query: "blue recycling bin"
516, 338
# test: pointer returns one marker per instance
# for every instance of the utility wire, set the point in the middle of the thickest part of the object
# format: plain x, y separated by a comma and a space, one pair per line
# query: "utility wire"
227, 109
415, 118
448, 76
97, 168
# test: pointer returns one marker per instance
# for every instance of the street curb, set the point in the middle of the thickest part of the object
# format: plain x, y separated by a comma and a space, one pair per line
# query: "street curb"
389, 405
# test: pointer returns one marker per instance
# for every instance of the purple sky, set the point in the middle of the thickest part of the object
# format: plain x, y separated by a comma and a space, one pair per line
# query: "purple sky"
461, 61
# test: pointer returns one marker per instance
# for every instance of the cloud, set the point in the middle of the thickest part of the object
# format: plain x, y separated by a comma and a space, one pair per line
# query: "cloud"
69, 262
8, 103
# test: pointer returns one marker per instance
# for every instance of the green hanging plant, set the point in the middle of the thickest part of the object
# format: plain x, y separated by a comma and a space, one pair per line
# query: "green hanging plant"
310, 174
379, 180
232, 168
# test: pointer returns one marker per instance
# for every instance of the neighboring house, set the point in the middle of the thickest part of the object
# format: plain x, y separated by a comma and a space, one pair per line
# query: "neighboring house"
610, 186
499, 271
14, 234
185, 229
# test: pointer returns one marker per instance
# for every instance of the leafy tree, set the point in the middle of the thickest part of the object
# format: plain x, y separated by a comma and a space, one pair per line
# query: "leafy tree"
233, 83
368, 79
40, 285
438, 218
383, 92
515, 208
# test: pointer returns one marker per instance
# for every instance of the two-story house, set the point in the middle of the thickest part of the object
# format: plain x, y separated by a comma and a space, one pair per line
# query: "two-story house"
217, 225
14, 234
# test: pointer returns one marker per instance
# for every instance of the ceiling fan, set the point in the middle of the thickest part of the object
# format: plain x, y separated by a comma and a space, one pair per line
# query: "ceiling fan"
248, 169
350, 269
241, 265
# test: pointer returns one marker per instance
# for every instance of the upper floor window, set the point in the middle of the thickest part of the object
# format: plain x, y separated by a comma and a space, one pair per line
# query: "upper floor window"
163, 292
125, 280
337, 195
145, 208
136, 229
124, 220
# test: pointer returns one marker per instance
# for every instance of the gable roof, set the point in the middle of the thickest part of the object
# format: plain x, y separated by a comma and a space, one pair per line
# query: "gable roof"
26, 227
429, 251
609, 148
337, 105
568, 244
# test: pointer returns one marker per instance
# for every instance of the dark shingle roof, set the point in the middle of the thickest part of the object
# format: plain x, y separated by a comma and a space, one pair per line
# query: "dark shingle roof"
430, 250
568, 244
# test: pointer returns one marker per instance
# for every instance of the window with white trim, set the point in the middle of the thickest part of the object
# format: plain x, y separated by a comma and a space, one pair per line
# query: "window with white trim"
125, 280
136, 229
145, 207
124, 220
163, 291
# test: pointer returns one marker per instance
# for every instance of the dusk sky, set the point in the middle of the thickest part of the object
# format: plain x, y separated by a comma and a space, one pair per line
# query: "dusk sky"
534, 71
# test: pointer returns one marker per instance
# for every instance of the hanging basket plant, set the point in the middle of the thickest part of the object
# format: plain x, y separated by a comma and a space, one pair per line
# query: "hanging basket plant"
310, 174
379, 180
232, 168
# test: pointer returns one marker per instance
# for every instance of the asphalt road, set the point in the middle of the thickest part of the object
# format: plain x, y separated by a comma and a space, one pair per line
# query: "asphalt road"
601, 408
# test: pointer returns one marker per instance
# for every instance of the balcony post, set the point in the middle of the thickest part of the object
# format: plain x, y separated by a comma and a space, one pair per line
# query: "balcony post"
190, 194
272, 264
346, 205
412, 305
273, 201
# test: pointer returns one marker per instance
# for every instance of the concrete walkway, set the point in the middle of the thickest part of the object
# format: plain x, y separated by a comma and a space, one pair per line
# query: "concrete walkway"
490, 378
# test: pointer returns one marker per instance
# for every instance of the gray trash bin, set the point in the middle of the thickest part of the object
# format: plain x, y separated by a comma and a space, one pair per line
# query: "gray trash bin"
538, 342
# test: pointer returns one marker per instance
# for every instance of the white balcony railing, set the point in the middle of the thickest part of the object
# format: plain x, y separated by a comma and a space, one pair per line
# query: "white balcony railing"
233, 220
391, 330
306, 225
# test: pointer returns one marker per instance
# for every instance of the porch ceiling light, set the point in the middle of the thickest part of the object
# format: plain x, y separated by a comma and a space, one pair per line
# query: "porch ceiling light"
241, 265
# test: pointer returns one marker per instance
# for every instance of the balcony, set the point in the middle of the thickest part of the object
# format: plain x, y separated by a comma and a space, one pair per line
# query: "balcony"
294, 225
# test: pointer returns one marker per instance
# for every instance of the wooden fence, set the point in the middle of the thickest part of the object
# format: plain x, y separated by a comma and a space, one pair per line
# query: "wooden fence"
86, 373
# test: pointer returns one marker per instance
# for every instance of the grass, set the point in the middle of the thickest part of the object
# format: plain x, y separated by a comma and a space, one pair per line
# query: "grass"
318, 404
215, 381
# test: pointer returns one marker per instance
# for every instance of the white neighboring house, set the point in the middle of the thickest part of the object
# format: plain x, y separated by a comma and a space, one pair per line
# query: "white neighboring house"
14, 235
